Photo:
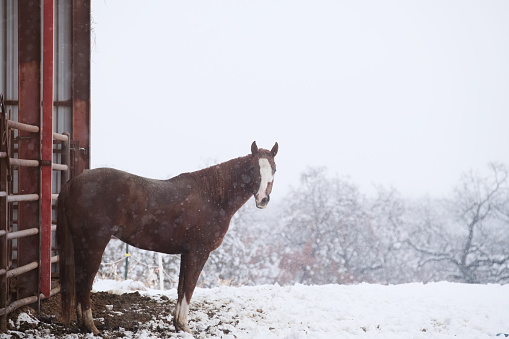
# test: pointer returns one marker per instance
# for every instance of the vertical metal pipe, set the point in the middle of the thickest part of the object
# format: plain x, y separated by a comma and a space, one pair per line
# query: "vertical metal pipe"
4, 217
66, 159
47, 148
29, 74
3, 47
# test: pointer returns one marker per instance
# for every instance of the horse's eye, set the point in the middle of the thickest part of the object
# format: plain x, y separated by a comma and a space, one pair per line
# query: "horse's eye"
252, 169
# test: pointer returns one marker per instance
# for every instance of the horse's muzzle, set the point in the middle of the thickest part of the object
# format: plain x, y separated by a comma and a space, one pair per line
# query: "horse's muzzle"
262, 203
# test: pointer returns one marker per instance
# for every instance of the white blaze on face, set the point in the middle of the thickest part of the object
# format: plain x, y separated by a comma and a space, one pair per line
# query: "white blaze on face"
266, 178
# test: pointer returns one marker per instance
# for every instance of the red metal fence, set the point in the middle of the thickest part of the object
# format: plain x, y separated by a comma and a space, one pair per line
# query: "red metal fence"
42, 40
10, 265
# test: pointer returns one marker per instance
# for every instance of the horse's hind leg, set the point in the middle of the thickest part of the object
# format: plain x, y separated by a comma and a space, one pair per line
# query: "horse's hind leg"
87, 260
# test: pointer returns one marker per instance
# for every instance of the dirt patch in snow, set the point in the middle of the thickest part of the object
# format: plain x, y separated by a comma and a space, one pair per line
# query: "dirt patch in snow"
114, 315
128, 315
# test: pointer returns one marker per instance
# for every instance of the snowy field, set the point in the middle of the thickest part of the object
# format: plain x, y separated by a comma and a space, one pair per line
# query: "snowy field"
435, 310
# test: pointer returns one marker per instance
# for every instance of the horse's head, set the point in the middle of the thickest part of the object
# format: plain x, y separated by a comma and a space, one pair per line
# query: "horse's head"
263, 169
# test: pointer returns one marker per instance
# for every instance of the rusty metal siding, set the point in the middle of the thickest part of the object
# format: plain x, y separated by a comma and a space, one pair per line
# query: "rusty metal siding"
63, 67
81, 81
9, 54
71, 71
29, 91
62, 110
20, 82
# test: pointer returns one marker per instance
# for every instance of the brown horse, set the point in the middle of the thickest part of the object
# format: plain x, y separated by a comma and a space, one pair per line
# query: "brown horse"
188, 215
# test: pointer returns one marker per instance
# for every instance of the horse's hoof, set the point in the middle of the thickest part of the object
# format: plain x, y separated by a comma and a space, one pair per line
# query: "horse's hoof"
181, 327
86, 329
92, 329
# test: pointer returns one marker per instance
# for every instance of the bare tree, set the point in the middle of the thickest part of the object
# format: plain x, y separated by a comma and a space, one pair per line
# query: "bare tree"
473, 240
388, 214
326, 231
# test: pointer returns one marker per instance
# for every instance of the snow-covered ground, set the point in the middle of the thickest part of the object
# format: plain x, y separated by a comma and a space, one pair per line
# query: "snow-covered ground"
435, 310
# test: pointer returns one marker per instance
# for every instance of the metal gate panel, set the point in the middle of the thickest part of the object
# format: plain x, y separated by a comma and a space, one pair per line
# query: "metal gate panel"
32, 156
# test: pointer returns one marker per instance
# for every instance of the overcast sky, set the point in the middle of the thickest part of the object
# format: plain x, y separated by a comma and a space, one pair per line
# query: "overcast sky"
408, 94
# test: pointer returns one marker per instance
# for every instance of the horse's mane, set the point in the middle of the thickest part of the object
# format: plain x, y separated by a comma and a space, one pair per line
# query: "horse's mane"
220, 180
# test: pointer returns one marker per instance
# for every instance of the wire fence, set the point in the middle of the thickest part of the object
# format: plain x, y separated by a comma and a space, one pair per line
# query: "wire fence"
139, 265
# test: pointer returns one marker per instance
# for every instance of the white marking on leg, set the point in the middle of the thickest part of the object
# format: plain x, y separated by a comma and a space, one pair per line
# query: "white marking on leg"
79, 315
182, 311
89, 321
266, 178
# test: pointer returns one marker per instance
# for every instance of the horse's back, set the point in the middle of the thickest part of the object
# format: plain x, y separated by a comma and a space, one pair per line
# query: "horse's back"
103, 184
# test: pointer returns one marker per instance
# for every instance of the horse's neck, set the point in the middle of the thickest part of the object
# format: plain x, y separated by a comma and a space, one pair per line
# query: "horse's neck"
225, 185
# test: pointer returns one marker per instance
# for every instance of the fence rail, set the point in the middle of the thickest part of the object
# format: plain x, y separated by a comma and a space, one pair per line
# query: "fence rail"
26, 301
19, 234
23, 162
22, 127
9, 163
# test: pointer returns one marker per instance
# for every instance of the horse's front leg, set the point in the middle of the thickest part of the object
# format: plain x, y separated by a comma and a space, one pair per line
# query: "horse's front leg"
190, 268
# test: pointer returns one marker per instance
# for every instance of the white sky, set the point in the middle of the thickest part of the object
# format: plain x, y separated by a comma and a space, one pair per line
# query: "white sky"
407, 94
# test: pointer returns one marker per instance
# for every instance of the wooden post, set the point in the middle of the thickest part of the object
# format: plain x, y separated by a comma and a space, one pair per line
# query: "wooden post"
126, 261
161, 272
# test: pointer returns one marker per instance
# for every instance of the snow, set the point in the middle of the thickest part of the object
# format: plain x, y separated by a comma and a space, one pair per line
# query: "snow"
25, 317
434, 310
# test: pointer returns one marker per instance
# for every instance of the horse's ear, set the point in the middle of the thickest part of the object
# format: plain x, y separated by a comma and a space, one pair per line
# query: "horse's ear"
254, 148
274, 149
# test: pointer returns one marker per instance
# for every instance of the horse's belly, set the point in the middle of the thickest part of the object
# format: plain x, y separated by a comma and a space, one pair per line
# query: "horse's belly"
165, 237
168, 247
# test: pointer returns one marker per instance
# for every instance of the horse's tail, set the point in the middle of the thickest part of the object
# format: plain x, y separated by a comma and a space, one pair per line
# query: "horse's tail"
66, 259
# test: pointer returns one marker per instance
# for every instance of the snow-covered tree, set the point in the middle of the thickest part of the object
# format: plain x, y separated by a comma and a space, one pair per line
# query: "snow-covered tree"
327, 231
334, 234
470, 238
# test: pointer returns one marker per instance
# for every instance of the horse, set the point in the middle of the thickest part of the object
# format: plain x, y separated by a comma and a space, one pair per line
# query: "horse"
187, 215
